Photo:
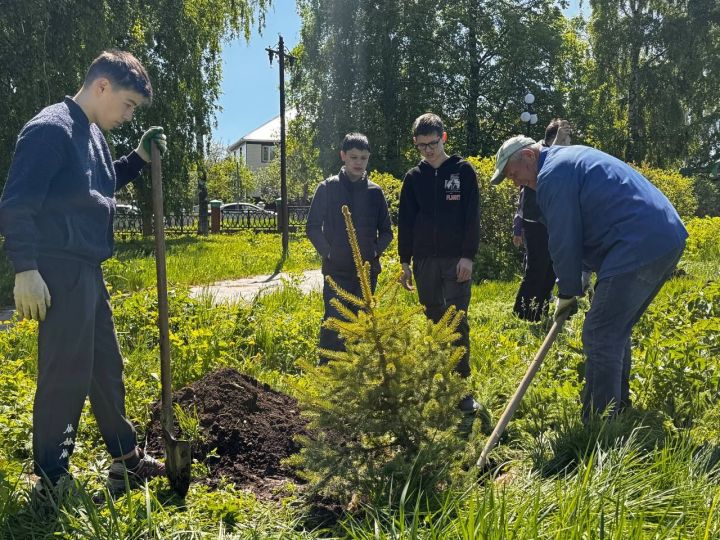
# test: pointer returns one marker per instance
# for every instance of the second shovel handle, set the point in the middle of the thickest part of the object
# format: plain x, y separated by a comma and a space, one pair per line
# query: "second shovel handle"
520, 392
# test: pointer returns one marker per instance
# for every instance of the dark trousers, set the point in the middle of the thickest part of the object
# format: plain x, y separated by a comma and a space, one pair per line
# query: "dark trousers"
78, 356
618, 304
329, 339
438, 289
537, 283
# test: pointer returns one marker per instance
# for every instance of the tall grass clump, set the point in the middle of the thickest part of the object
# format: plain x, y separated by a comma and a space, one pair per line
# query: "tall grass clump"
619, 492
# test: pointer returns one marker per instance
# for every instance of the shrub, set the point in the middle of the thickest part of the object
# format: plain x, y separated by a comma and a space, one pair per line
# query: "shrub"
391, 187
704, 240
384, 413
707, 193
497, 257
676, 187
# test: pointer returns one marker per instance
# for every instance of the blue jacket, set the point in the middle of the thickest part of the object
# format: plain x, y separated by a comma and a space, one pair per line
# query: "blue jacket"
59, 199
601, 215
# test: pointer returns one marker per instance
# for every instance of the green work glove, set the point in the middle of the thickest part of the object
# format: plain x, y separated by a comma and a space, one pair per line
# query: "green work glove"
32, 297
566, 305
155, 133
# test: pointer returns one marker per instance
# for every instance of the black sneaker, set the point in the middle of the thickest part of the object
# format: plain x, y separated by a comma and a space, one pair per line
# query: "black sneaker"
146, 469
469, 408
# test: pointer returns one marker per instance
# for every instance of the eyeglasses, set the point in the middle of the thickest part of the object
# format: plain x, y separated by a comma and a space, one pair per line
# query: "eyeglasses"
432, 145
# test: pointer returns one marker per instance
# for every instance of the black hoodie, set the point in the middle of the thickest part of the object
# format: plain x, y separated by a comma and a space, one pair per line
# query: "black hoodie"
439, 212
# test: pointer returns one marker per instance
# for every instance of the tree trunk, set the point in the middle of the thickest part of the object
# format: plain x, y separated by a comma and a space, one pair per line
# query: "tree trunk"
391, 131
472, 129
634, 151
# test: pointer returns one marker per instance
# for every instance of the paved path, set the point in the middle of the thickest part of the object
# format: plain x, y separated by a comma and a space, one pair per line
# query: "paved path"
248, 288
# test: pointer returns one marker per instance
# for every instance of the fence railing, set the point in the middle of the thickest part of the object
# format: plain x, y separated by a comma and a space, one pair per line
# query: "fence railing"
298, 215
132, 224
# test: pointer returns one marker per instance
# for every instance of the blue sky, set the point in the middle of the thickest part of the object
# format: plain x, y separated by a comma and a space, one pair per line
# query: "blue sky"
250, 85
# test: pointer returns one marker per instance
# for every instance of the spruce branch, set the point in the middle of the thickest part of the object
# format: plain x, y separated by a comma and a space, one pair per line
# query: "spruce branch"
334, 355
347, 328
345, 295
346, 312
363, 269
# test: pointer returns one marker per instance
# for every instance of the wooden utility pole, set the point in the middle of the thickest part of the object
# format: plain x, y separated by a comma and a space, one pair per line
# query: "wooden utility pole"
202, 185
282, 54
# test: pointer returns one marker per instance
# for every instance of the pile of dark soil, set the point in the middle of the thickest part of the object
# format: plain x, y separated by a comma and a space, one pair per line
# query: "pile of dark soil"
247, 430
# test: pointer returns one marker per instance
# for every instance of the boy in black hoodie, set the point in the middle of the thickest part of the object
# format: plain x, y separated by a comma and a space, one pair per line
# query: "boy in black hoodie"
326, 228
439, 230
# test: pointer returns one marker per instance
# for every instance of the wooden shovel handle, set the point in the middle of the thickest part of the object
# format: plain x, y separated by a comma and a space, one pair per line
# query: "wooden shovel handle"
520, 392
163, 325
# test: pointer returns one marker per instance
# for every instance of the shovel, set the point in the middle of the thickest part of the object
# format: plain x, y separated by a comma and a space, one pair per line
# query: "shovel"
520, 392
178, 455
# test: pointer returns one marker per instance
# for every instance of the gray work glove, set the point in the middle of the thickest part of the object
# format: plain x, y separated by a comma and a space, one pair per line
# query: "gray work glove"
155, 133
563, 305
32, 297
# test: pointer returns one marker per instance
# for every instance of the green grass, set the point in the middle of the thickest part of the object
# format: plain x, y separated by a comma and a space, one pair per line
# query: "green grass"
618, 492
651, 474
151, 513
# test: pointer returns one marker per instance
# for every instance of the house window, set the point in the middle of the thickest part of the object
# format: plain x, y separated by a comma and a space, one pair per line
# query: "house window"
267, 152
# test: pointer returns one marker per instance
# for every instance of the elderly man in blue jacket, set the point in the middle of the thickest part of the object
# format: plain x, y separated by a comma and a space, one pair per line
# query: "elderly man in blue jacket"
602, 215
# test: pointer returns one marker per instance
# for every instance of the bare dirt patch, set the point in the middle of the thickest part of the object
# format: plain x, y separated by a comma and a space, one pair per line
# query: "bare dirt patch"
247, 430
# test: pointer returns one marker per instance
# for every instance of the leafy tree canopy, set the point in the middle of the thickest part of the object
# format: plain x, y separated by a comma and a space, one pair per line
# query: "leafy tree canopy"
46, 47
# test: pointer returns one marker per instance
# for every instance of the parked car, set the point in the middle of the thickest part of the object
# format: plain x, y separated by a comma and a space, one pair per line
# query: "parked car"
245, 208
122, 209
196, 209
127, 218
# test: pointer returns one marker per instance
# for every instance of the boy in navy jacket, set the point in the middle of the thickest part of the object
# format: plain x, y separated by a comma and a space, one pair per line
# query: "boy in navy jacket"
56, 215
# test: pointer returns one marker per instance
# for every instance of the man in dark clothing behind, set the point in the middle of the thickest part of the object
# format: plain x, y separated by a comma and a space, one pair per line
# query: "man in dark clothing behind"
56, 214
533, 297
326, 229
439, 231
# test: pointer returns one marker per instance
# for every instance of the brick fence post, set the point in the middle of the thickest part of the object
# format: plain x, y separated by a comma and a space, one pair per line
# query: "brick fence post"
215, 216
